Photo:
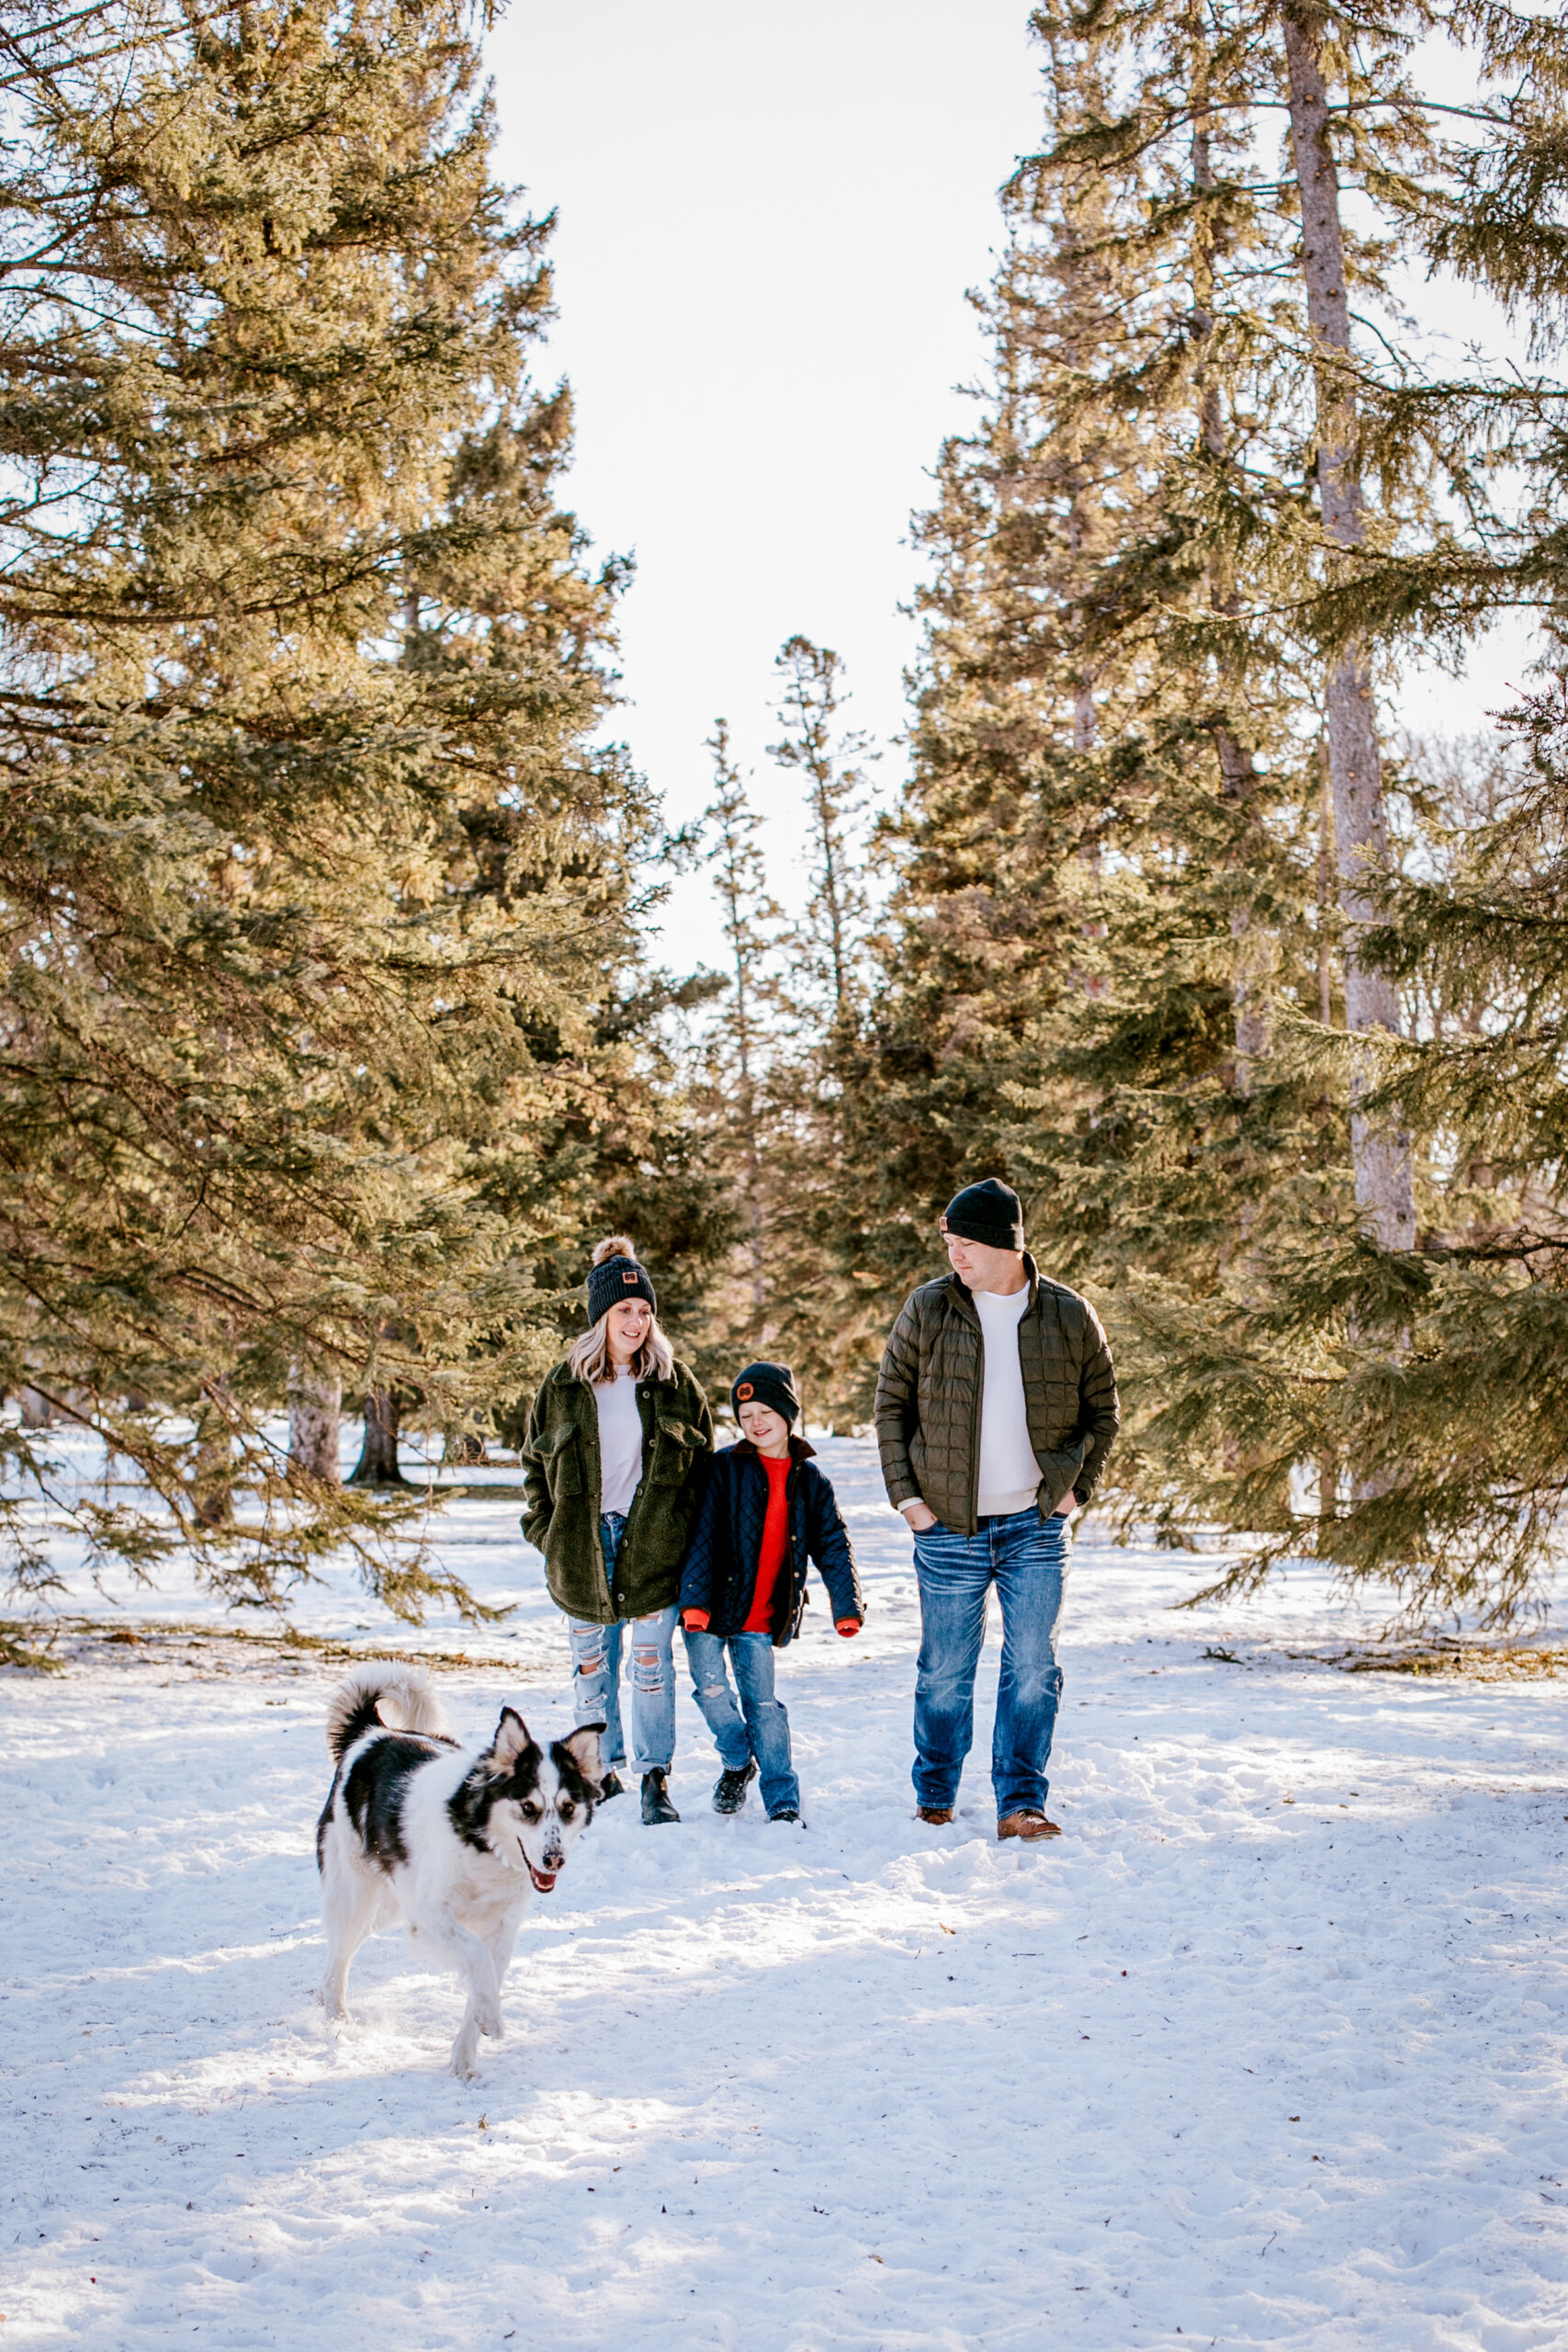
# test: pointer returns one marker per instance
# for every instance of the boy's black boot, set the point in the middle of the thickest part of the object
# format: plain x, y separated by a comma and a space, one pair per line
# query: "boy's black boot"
730, 1789
655, 1804
612, 1785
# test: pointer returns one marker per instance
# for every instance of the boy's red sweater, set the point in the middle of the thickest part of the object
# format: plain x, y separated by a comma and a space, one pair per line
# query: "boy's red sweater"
775, 1550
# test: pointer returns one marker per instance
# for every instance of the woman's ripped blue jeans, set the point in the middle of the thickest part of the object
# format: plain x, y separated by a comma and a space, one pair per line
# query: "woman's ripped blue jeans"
596, 1654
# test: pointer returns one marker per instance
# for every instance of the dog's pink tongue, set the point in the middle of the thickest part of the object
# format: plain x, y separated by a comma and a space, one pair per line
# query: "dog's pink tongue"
544, 1880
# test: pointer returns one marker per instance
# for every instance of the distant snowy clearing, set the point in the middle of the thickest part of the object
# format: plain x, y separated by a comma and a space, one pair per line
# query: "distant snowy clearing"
1267, 2050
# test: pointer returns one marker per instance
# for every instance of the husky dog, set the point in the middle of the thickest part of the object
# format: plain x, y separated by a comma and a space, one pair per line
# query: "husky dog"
453, 1844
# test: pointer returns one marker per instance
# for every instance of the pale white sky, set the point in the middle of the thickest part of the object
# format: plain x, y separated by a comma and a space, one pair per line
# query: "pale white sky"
770, 218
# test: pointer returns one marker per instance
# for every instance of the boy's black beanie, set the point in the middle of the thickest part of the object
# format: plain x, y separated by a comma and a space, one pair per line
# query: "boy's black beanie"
767, 1383
990, 1212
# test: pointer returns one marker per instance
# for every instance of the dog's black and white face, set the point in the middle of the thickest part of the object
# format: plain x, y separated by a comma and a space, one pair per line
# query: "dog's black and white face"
525, 1805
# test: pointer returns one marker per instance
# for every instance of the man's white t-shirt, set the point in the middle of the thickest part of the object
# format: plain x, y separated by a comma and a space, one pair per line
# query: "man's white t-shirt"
620, 1442
1009, 1475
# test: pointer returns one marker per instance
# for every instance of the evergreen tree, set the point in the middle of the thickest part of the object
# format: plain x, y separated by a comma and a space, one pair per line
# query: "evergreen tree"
312, 881
1420, 1438
829, 940
1112, 928
818, 1320
1103, 811
739, 1072
1288, 1393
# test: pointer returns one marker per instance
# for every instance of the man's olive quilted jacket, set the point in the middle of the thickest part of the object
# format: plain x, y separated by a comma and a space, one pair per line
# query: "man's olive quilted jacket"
932, 1377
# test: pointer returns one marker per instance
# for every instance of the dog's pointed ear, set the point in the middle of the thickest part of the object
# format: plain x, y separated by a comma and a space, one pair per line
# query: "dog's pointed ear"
585, 1750
512, 1737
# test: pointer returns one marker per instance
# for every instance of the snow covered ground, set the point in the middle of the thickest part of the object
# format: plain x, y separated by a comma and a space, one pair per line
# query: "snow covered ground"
1267, 2050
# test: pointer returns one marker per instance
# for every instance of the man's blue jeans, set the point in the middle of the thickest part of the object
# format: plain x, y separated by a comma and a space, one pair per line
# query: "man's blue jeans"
596, 1677
1026, 1557
758, 1725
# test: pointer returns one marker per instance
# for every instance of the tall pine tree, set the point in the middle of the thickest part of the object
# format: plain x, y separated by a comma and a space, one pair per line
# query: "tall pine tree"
312, 878
1112, 935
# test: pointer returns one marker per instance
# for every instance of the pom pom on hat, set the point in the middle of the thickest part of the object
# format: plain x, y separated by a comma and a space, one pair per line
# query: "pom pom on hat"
615, 1275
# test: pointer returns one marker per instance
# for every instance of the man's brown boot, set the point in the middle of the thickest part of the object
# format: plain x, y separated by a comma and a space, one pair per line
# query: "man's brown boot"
1027, 1824
939, 1815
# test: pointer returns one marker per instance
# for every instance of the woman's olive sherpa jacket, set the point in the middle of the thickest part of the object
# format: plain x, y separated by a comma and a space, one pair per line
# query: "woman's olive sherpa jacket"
560, 1473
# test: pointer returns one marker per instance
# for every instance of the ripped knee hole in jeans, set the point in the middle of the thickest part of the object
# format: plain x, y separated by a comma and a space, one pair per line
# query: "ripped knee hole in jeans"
645, 1669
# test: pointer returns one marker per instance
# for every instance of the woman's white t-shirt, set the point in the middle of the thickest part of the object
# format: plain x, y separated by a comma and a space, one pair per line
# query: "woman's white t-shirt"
620, 1442
1008, 1476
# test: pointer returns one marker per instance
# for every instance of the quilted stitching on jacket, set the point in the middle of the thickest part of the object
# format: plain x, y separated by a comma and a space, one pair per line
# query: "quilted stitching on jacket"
930, 1388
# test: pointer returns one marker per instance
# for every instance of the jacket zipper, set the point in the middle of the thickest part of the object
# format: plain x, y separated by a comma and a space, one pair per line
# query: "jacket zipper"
643, 1396
590, 1437
974, 1495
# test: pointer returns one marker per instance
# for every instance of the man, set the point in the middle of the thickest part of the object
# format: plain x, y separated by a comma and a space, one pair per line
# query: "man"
996, 1408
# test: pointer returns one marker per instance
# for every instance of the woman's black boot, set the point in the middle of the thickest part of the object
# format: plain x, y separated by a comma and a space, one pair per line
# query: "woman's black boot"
655, 1804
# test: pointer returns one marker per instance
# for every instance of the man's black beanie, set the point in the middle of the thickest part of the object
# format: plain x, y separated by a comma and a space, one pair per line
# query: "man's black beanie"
767, 1383
989, 1212
615, 1276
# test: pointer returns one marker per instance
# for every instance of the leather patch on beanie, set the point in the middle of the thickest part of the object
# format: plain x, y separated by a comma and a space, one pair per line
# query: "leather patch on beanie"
630, 1275
744, 1391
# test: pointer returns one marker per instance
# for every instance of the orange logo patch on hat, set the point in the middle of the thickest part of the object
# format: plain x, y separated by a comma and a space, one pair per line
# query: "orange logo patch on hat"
630, 1277
744, 1391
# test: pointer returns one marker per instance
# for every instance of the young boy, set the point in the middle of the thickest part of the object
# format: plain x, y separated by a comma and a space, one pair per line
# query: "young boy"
766, 1512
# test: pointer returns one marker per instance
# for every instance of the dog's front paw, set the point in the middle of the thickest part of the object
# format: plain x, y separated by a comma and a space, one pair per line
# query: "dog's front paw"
465, 2055
488, 2018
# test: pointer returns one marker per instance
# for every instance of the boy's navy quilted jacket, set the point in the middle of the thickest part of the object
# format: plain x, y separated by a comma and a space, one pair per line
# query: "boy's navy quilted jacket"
719, 1573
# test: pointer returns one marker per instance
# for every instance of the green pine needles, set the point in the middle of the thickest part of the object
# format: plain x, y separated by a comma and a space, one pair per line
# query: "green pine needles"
313, 884
1261, 1015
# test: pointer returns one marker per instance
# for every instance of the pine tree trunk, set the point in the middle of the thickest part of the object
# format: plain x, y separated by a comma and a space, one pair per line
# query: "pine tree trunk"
1380, 1153
1254, 951
315, 1410
213, 1481
377, 1462
1324, 897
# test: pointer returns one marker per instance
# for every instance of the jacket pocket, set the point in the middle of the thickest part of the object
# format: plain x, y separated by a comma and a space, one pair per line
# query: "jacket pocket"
561, 1461
675, 1446
1058, 1472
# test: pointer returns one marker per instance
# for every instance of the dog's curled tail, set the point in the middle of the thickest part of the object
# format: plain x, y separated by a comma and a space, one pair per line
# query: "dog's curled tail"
399, 1697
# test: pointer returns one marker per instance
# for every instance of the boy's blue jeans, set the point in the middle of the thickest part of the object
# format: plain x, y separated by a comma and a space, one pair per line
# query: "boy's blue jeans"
758, 1725
1026, 1557
596, 1675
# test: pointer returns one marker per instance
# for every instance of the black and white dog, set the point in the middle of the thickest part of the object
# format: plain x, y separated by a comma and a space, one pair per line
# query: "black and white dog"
453, 1844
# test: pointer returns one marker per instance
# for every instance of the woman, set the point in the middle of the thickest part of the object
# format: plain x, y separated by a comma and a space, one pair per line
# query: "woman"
614, 1464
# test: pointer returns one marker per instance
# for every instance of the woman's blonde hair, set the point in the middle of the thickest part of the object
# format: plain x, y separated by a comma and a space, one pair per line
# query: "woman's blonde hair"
589, 1358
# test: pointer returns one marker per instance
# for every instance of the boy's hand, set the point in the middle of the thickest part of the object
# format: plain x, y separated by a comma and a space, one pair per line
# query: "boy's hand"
846, 1626
695, 1620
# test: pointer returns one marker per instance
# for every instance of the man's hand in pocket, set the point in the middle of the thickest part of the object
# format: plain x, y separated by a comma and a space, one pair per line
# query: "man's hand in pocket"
919, 1515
